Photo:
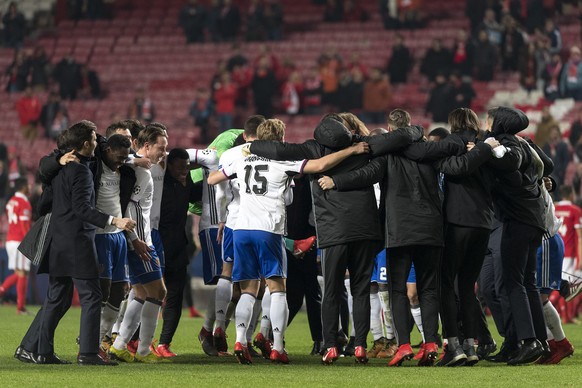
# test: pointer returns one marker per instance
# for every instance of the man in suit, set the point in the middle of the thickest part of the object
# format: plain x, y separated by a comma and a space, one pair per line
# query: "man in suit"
72, 258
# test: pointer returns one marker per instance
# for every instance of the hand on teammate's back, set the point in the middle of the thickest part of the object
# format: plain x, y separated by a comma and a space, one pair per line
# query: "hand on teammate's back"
326, 183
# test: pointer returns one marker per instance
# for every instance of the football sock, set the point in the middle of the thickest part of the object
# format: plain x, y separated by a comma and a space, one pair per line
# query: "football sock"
385, 303
415, 310
243, 315
10, 281
122, 308
21, 291
223, 296
553, 322
149, 322
210, 315
129, 324
375, 319
254, 321
266, 315
350, 307
279, 318
108, 316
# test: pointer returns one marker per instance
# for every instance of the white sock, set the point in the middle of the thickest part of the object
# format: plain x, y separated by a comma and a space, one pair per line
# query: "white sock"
210, 315
108, 317
149, 322
223, 295
266, 316
129, 324
553, 322
254, 321
122, 308
387, 312
279, 318
375, 320
415, 310
243, 315
350, 307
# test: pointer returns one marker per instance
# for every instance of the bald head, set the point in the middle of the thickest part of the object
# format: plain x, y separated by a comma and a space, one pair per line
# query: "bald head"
378, 131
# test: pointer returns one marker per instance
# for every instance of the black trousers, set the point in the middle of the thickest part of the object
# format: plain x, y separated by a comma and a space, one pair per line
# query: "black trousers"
463, 256
519, 244
426, 261
41, 333
175, 279
358, 258
302, 283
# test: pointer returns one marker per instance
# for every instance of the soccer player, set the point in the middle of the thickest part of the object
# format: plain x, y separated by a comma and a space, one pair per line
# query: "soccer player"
19, 214
258, 238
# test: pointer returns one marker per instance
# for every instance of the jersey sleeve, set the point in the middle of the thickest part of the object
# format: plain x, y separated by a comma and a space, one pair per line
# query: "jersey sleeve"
206, 157
295, 167
578, 219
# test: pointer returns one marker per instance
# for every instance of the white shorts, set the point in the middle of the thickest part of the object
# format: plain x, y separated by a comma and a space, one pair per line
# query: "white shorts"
16, 260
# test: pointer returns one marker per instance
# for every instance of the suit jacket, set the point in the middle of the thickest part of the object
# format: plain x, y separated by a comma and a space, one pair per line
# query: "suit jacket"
73, 223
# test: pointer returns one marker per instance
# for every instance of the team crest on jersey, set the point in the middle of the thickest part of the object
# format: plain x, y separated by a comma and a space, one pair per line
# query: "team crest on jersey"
136, 189
206, 151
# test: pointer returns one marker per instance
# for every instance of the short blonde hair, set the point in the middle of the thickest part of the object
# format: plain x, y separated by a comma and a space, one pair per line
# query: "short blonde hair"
271, 129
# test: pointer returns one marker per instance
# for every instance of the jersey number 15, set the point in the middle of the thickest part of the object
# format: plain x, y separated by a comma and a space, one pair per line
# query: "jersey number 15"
261, 187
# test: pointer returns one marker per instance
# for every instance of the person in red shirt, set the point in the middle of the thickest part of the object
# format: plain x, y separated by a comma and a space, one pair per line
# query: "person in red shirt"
225, 94
28, 107
19, 214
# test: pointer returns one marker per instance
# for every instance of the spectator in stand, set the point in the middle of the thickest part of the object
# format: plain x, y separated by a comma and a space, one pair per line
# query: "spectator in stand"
237, 58
15, 168
353, 12
220, 68
312, 90
333, 11
512, 43
142, 108
551, 77
557, 149
68, 75
14, 27
534, 15
437, 60
39, 66
224, 98
356, 63
554, 35
571, 79
463, 52
485, 58
52, 115
389, 13
192, 19
254, 17
528, 66
28, 107
273, 20
17, 73
90, 86
264, 86
410, 13
491, 27
229, 21
462, 92
547, 122
475, 11
351, 91
576, 130
376, 97
265, 52
213, 19
439, 102
292, 90
201, 111
400, 62
242, 76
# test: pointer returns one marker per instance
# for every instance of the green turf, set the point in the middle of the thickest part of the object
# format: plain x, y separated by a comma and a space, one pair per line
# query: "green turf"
192, 368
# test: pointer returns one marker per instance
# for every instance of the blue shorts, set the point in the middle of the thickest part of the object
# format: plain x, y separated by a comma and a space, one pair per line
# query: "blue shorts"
380, 275
258, 253
143, 272
411, 275
211, 261
549, 268
227, 246
159, 246
112, 255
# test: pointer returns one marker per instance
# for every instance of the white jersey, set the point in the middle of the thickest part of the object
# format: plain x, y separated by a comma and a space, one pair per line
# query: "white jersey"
108, 199
140, 205
228, 197
158, 171
208, 159
263, 186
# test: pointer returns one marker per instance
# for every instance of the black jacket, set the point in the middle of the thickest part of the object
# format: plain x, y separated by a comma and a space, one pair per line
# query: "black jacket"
517, 194
340, 217
173, 214
413, 203
468, 200
298, 226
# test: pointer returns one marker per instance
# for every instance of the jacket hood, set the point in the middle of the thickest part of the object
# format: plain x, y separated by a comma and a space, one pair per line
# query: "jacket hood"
332, 134
509, 120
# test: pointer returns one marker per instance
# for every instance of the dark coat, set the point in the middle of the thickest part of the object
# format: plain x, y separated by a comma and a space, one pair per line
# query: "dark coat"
340, 217
399, 65
73, 222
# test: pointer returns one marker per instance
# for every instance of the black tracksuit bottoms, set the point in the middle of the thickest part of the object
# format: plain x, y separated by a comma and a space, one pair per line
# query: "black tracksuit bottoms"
426, 261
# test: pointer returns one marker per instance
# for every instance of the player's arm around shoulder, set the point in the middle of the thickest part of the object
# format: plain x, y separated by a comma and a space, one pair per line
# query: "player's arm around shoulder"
319, 165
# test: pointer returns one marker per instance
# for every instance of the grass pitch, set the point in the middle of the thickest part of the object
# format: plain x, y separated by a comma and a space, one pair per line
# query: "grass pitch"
194, 369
